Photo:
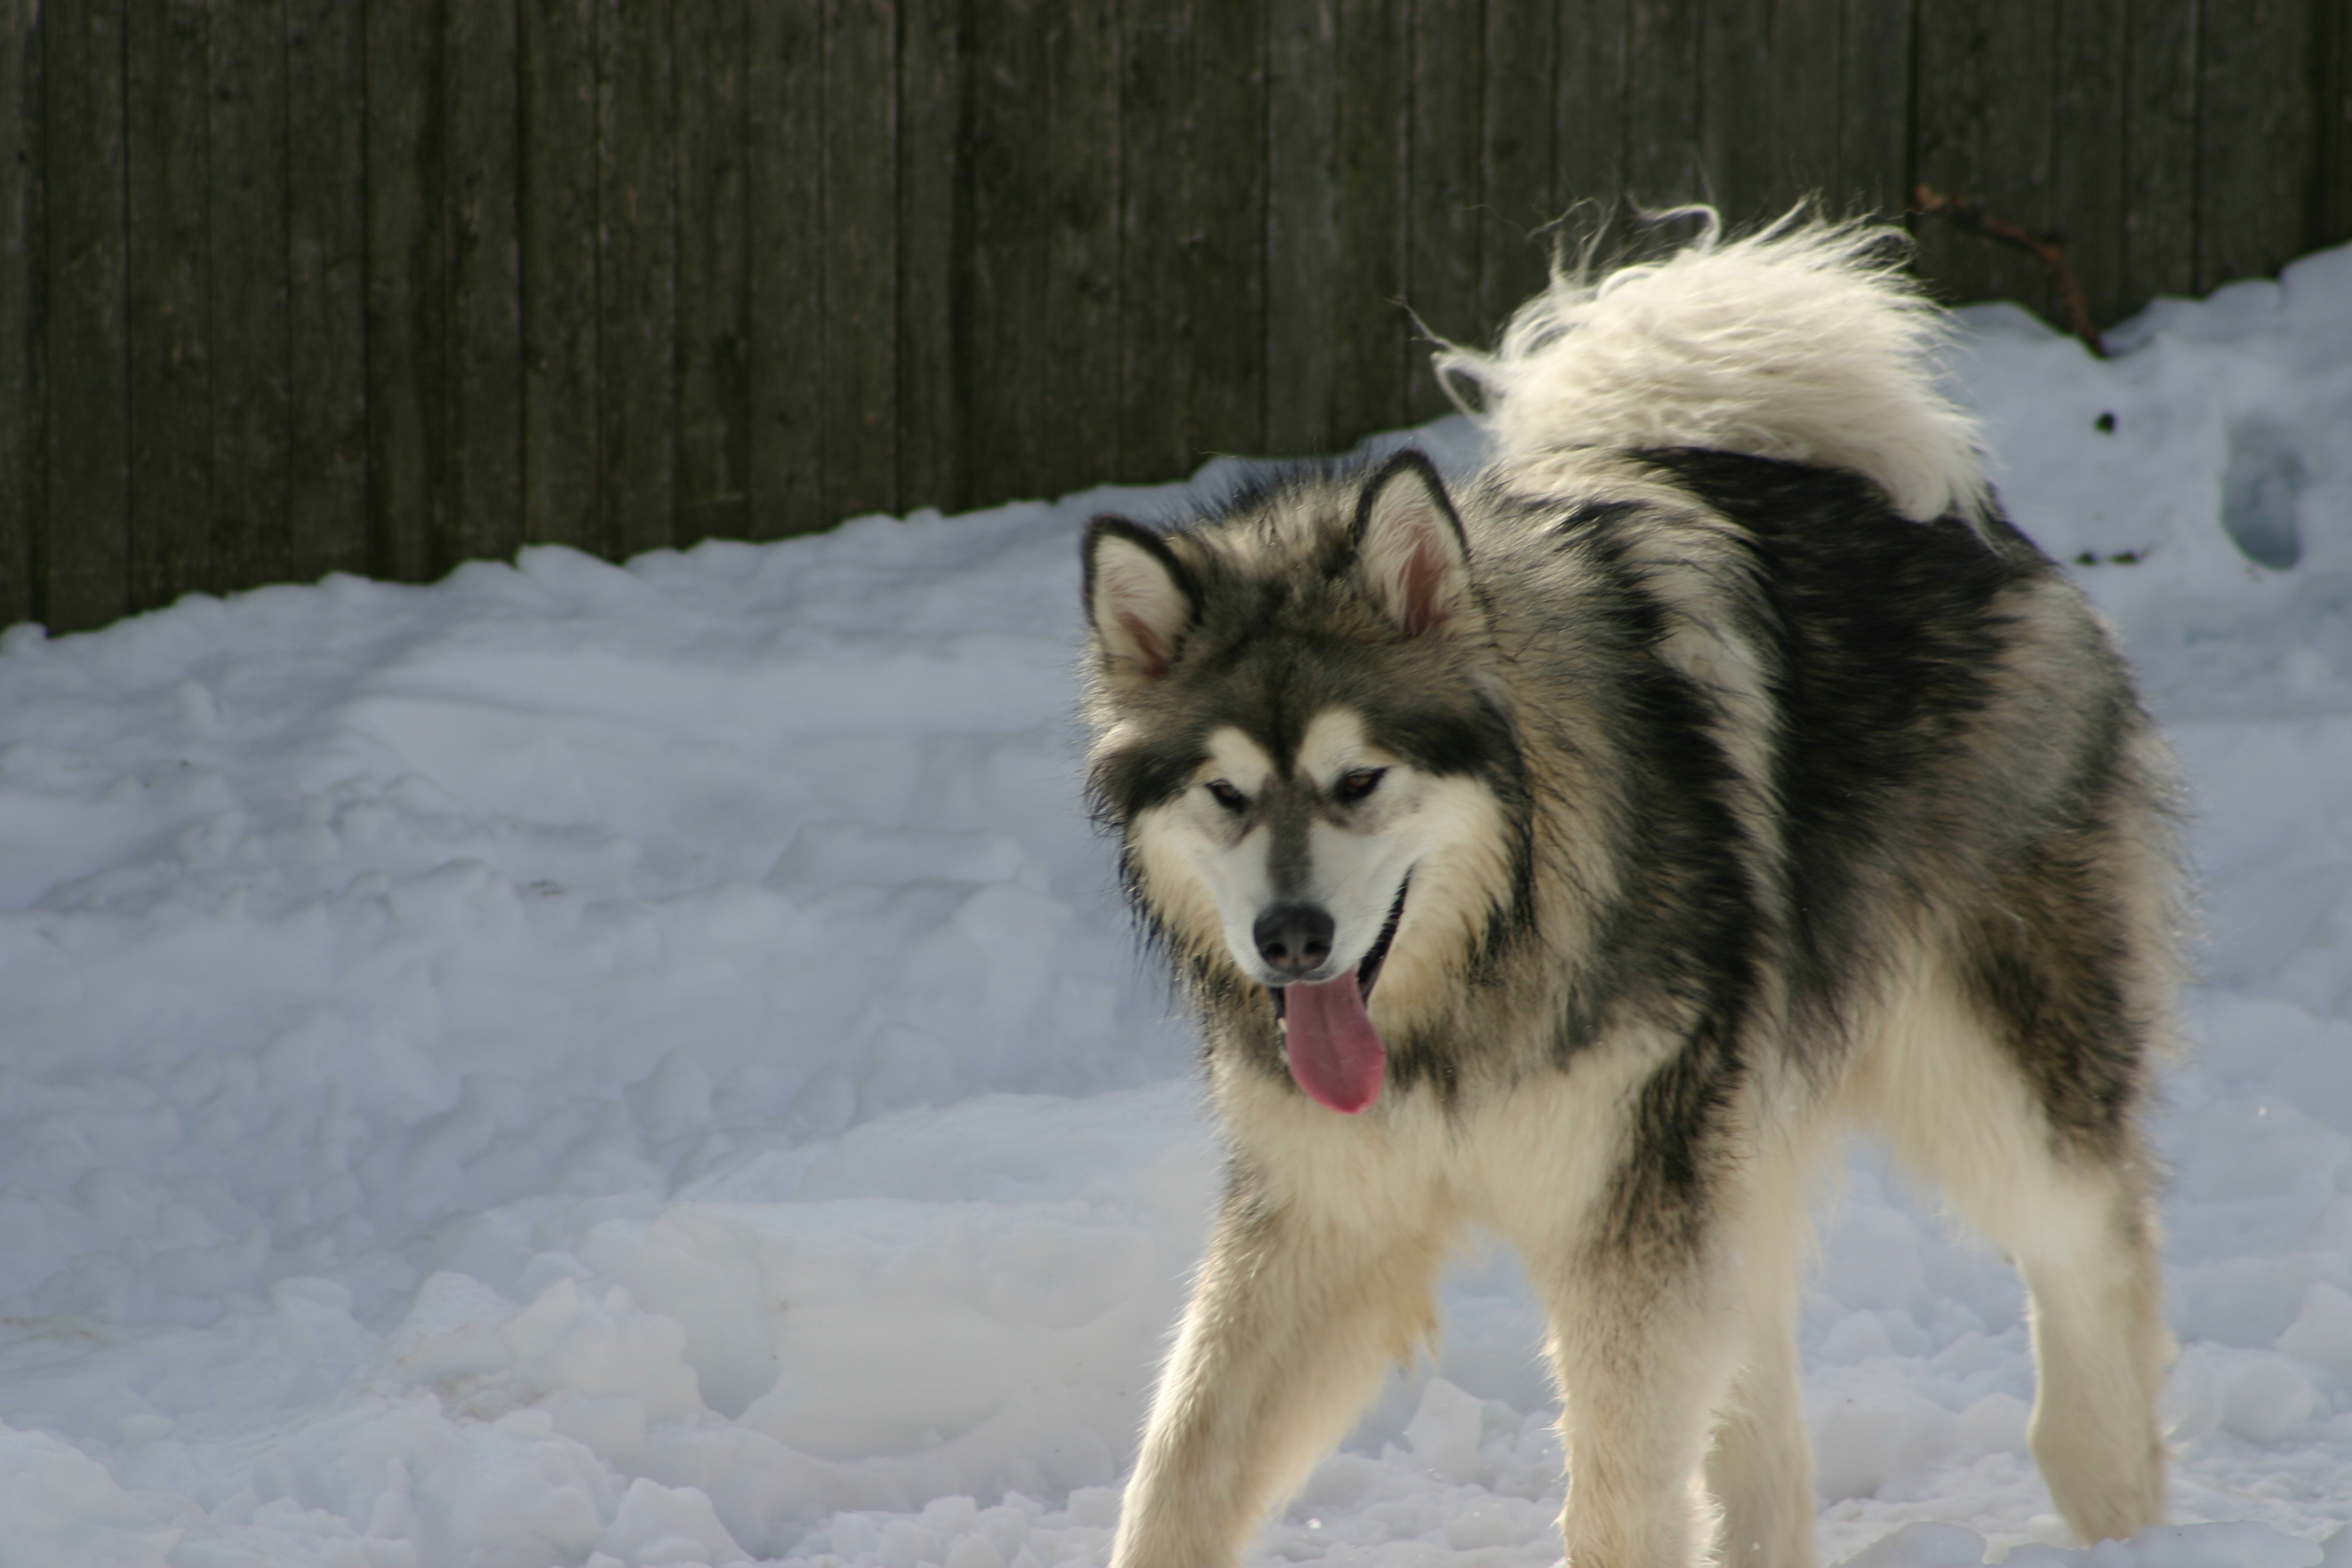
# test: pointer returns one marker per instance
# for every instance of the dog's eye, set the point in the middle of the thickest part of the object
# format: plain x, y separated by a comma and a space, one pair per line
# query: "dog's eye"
1227, 795
1356, 784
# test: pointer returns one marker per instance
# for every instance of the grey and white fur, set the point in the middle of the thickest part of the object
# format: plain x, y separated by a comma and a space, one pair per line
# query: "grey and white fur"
1580, 852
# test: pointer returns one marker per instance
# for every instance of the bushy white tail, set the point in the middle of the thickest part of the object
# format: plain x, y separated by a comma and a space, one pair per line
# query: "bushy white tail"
1802, 341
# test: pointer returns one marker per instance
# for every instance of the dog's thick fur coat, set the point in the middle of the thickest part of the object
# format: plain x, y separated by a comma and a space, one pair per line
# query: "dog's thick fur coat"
1577, 853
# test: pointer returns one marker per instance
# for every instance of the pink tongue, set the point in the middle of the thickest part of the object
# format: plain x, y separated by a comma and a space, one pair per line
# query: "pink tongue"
1334, 1053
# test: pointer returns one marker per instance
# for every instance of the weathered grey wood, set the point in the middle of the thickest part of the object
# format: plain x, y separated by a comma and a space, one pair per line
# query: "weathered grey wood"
1590, 134
1661, 112
2328, 210
557, 222
861, 263
170, 301
1983, 89
2159, 137
1519, 177
1369, 329
1444, 214
84, 546
713, 257
784, 194
247, 325
24, 382
1191, 171
2018, 147
1302, 236
2254, 147
1740, 107
1803, 66
1160, 116
1224, 237
326, 268
1949, 100
480, 515
1081, 167
1873, 150
297, 285
1010, 260
2088, 171
406, 292
636, 277
930, 191
1044, 227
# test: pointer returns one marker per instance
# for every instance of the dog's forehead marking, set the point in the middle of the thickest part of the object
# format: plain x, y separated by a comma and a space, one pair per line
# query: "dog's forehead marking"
1236, 759
1335, 741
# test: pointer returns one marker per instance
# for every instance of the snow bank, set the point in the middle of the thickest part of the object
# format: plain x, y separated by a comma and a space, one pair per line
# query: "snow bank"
642, 1065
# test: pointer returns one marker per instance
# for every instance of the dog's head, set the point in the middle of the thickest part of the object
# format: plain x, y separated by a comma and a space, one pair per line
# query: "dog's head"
1302, 741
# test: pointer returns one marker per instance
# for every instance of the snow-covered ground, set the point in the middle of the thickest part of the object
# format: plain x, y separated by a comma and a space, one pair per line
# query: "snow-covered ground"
642, 1065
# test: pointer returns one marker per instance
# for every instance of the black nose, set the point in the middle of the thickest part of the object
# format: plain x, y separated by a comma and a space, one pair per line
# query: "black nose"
1293, 938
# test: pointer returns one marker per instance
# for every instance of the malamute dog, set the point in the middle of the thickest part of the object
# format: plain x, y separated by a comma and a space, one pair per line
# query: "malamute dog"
1576, 852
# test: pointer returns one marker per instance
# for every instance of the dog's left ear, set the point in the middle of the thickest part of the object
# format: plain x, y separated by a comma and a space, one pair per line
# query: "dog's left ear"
1412, 551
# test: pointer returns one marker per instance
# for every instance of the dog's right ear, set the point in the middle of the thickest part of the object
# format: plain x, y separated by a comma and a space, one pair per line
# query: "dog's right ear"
1415, 556
1139, 599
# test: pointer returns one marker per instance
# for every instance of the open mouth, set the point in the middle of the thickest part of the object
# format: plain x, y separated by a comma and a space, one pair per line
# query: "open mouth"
1368, 968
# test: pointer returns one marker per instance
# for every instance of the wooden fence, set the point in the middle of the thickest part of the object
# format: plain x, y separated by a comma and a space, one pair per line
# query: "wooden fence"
293, 286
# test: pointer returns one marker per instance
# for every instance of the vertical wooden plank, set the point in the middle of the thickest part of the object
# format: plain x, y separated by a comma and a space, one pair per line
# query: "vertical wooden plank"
246, 151
1009, 204
326, 266
636, 330
1081, 153
1225, 195
1953, 91
1521, 67
1302, 236
556, 226
1661, 112
1591, 108
1444, 215
85, 543
2018, 149
1160, 116
2087, 179
1192, 194
24, 390
1803, 70
1984, 120
784, 187
2255, 142
1738, 110
1369, 328
861, 264
713, 482
407, 287
481, 514
1045, 225
1873, 171
930, 178
2328, 212
169, 302
2160, 136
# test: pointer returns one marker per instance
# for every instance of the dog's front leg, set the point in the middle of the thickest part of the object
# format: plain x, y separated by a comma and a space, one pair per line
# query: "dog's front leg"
1643, 1341
1295, 1316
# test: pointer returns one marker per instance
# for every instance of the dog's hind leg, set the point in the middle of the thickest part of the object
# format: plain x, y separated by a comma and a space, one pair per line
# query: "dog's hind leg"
2076, 1213
2088, 1254
1293, 1321
1760, 1467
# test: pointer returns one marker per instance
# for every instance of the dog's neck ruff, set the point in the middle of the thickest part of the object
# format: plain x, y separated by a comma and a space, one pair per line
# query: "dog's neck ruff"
1334, 1052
